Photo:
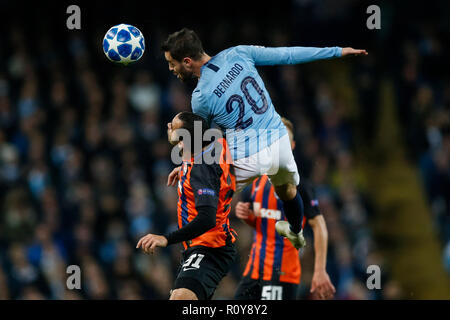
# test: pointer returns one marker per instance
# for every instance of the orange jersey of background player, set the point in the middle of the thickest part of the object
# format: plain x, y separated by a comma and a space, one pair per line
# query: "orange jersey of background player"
272, 257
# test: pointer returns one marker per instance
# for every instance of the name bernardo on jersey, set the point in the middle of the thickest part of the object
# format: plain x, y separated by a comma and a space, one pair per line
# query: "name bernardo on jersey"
229, 78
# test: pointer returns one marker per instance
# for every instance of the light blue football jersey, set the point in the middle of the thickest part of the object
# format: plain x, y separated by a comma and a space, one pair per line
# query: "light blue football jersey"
231, 94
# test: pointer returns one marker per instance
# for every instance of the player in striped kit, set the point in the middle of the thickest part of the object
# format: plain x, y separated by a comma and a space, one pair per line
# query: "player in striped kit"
205, 191
273, 270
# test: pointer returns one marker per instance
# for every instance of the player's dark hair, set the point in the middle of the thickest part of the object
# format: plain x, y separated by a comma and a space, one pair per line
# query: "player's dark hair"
183, 43
188, 119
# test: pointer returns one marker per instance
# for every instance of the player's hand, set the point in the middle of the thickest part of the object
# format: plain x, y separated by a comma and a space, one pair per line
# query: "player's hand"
173, 177
321, 285
353, 52
243, 210
149, 242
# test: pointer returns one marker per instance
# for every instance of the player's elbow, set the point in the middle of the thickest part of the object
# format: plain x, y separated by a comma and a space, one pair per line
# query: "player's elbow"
211, 223
320, 233
319, 227
208, 215
324, 232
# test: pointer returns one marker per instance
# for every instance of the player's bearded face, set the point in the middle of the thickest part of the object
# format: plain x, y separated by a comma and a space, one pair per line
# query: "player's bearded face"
183, 74
178, 68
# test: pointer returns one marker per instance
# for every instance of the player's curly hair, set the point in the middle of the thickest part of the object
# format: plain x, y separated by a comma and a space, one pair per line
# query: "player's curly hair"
183, 43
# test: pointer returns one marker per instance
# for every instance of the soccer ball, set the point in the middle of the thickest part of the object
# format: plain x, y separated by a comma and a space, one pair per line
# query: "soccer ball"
123, 44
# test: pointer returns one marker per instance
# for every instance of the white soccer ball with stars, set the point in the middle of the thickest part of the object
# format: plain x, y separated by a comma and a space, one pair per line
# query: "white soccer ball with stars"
124, 44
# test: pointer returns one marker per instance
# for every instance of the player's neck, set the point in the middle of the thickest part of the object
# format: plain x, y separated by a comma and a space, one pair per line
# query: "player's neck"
202, 61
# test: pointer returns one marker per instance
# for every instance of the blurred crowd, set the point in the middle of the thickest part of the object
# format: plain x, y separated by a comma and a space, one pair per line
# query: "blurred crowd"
84, 161
423, 93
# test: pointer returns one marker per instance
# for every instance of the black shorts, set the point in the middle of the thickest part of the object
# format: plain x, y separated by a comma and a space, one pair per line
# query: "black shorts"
203, 268
251, 289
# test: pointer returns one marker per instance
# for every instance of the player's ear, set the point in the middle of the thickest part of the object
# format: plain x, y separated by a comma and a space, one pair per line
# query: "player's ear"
187, 61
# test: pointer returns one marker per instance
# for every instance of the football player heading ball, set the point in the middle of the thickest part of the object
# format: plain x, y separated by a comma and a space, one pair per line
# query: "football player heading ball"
231, 94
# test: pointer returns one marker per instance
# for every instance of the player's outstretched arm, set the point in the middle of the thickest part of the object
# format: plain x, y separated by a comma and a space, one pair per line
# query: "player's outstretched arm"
353, 52
321, 283
293, 55
205, 220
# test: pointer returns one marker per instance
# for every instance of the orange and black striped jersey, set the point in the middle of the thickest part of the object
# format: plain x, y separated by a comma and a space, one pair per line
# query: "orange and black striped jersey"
272, 257
207, 185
